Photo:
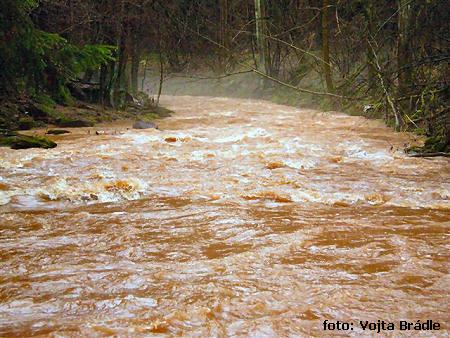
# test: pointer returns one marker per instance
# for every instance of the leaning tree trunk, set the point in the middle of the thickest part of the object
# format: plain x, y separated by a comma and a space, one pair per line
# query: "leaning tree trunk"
161, 78
326, 46
161, 69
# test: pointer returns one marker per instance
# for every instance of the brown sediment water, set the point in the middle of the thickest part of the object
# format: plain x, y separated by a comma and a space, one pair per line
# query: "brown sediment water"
237, 218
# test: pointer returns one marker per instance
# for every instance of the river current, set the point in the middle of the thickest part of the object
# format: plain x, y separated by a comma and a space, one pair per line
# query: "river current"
236, 218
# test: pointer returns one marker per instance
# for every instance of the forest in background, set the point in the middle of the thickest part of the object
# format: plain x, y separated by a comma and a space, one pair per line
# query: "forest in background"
389, 56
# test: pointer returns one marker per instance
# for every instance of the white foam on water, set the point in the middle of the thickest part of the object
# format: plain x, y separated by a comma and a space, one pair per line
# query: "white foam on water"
242, 237
223, 113
300, 164
300, 196
258, 132
359, 151
5, 197
200, 155
379, 156
238, 135
230, 221
138, 138
166, 191
297, 144
146, 302
99, 190
349, 198
230, 138
442, 193
5, 164
240, 150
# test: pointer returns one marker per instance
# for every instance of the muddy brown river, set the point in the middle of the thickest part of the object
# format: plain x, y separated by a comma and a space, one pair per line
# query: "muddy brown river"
238, 218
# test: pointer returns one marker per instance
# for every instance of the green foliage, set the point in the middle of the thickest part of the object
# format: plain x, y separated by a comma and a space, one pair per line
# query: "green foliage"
68, 60
15, 26
33, 60
59, 62
90, 57
29, 4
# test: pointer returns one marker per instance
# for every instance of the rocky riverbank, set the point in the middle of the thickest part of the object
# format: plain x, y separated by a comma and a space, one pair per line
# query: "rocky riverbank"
43, 113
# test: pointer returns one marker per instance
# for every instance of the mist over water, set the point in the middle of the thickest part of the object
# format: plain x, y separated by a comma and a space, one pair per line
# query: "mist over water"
238, 217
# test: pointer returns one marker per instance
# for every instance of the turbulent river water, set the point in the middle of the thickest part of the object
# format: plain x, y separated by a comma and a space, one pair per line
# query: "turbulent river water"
237, 218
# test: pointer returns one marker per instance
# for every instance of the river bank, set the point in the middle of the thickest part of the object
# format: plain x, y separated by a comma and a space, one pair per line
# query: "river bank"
32, 124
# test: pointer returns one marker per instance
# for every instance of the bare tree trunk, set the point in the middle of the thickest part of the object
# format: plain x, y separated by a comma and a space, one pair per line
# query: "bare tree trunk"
261, 33
223, 32
103, 84
121, 82
135, 60
403, 47
326, 46
161, 76
118, 80
370, 58
87, 77
144, 75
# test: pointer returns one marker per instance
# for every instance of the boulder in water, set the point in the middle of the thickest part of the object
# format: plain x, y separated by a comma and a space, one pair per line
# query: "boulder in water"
57, 132
73, 123
18, 141
144, 125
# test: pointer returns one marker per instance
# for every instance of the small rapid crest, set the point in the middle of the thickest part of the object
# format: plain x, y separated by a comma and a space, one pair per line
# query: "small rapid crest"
302, 157
97, 190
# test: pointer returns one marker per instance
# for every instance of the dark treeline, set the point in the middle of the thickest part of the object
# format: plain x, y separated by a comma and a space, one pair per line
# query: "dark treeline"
391, 54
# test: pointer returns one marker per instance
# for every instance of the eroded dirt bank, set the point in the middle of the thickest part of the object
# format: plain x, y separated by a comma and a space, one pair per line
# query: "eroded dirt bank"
240, 217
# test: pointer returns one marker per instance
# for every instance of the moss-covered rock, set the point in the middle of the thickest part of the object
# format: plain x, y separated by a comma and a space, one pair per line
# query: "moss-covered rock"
67, 122
163, 112
57, 132
148, 117
153, 113
18, 141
